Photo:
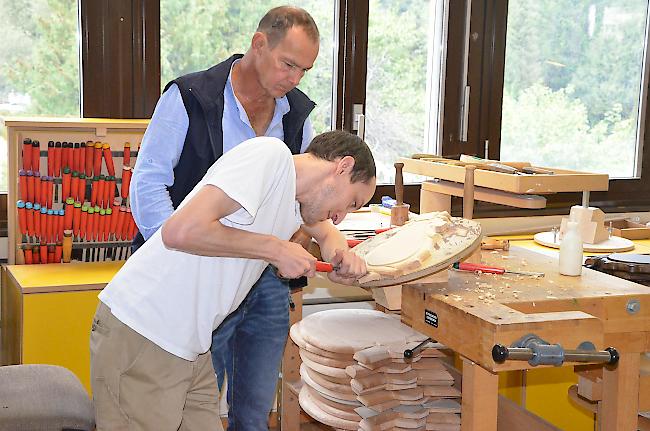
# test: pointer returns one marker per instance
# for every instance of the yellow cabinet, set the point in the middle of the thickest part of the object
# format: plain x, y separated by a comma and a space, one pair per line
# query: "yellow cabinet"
47, 311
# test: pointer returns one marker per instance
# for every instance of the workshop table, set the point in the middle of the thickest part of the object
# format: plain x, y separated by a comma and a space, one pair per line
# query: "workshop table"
470, 313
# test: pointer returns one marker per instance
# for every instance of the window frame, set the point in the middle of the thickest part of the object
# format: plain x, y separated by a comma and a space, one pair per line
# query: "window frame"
121, 79
487, 62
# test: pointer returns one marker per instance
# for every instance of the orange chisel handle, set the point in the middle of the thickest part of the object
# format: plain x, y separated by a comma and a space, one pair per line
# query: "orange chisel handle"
37, 220
50, 254
107, 226
70, 155
90, 149
50, 158
56, 164
27, 252
36, 177
67, 179
22, 183
126, 227
134, 228
59, 224
108, 158
30, 187
29, 213
50, 191
74, 185
126, 181
126, 160
65, 162
81, 187
82, 158
27, 154
76, 155
94, 188
35, 255
43, 186
467, 266
58, 252
101, 185
324, 266
43, 253
109, 191
22, 217
120, 223
76, 218
354, 242
69, 209
36, 155
101, 229
97, 158
43, 224
83, 225
115, 214
96, 223
51, 223
90, 227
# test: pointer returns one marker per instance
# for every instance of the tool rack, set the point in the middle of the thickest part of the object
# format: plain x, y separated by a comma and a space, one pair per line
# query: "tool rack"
70, 200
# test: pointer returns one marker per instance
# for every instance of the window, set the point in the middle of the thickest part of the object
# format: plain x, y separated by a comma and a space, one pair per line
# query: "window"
572, 84
403, 80
196, 35
39, 62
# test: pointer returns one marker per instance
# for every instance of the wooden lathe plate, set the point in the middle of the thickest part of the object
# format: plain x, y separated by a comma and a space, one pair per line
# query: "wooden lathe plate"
458, 241
348, 331
613, 244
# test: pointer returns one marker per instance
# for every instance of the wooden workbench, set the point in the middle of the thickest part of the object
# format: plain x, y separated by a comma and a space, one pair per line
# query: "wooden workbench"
475, 312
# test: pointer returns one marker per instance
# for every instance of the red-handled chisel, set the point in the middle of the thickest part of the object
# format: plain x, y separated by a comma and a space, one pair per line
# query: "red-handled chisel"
475, 267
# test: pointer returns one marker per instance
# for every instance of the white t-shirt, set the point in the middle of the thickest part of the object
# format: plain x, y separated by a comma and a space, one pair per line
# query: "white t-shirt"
177, 299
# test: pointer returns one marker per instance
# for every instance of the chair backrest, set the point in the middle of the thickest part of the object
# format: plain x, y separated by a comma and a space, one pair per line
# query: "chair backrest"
44, 398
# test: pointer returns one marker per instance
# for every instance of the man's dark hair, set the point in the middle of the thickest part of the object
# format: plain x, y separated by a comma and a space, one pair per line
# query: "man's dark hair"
279, 20
338, 144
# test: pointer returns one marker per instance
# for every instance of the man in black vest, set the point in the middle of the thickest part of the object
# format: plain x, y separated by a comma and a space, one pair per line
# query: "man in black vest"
199, 117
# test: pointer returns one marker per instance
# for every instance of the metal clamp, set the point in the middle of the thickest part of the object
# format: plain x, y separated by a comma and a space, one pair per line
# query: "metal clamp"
536, 351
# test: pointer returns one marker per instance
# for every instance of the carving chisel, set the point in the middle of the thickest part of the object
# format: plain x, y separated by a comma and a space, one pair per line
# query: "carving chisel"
474, 267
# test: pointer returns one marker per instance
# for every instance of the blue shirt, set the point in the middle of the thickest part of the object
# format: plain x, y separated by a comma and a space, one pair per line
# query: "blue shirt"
163, 142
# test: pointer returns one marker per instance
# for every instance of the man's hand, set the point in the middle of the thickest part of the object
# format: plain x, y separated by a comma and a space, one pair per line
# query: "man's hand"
350, 267
293, 261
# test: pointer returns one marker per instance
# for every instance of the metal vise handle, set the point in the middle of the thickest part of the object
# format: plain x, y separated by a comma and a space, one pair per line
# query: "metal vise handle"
552, 354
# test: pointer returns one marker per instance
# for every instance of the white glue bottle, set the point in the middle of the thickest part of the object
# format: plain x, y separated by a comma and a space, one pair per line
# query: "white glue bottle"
571, 250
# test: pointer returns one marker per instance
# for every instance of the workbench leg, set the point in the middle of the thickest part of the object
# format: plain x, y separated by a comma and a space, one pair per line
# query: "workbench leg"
620, 405
289, 408
480, 398
433, 201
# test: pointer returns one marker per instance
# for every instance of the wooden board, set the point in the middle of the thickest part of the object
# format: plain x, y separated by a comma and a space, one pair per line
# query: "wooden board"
458, 240
352, 330
562, 180
611, 245
487, 195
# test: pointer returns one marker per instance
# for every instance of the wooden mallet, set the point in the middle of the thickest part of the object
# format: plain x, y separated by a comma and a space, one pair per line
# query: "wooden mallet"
399, 214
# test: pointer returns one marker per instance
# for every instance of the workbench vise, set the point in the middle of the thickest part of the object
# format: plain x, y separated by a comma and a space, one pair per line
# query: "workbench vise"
536, 351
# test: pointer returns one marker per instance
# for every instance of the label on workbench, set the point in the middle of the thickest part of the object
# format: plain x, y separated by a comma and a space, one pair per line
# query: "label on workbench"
430, 318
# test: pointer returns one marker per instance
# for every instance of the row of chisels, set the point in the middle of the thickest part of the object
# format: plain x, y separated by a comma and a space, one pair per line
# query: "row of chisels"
79, 209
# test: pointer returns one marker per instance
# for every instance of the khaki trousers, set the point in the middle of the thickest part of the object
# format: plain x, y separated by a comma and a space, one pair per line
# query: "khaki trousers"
139, 386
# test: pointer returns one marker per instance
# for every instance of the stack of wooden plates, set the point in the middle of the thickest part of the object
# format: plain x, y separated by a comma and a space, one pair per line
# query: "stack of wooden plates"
356, 377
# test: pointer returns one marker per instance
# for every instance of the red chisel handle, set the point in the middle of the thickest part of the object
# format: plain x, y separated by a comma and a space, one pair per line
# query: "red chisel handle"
466, 266
324, 266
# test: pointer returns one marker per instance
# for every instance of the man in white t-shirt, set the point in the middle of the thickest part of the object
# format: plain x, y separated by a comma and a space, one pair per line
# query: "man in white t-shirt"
151, 335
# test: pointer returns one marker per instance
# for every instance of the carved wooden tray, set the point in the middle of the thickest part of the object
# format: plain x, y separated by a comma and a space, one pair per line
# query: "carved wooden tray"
418, 249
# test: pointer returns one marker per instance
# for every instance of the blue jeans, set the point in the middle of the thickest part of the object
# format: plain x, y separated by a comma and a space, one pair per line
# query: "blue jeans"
247, 347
